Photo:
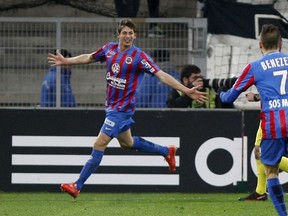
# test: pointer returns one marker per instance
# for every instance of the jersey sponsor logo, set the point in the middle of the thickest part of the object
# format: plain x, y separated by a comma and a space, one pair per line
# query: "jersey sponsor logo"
115, 68
277, 103
147, 65
109, 122
129, 60
115, 81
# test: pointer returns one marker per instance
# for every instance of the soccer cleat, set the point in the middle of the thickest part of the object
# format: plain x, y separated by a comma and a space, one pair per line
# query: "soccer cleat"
254, 197
70, 189
170, 158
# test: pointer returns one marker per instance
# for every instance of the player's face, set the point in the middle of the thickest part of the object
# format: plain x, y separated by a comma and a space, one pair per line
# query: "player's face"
126, 38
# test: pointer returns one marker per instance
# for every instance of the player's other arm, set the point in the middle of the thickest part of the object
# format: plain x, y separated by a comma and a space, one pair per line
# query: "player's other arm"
229, 96
172, 82
58, 59
243, 82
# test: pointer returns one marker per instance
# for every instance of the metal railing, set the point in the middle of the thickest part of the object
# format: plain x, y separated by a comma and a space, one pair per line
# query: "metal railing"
25, 43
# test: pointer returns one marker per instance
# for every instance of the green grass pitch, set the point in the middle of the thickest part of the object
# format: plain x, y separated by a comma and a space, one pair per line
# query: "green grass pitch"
131, 204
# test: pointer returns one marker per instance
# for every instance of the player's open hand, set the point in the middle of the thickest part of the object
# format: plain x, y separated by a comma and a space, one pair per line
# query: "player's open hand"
200, 97
55, 60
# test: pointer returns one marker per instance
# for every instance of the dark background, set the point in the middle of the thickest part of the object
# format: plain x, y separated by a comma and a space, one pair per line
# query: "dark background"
193, 128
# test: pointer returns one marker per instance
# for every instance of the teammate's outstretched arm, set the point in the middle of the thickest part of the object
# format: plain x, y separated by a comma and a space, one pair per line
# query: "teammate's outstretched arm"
172, 82
58, 59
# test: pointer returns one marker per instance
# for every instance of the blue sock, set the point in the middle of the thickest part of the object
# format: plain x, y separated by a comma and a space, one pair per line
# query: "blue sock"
143, 145
90, 167
276, 194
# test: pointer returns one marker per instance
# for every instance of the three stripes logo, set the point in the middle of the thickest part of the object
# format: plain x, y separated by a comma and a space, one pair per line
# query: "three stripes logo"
58, 159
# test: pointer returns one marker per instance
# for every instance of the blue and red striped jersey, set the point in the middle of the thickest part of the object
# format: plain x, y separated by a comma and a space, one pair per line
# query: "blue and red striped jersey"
125, 71
269, 75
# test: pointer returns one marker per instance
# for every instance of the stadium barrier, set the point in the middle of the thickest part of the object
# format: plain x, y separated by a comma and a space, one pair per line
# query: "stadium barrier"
39, 149
26, 42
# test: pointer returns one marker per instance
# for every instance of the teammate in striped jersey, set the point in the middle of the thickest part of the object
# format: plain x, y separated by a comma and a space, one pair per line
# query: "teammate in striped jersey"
260, 192
269, 75
126, 66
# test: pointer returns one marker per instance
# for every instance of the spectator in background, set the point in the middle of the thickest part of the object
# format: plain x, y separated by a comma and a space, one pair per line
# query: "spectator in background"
153, 93
127, 8
48, 91
153, 8
191, 76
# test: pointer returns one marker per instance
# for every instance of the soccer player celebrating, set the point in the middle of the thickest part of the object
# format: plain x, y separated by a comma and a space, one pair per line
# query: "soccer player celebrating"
126, 65
269, 75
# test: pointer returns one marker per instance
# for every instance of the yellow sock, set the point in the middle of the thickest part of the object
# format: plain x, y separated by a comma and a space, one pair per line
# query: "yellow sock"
284, 164
261, 178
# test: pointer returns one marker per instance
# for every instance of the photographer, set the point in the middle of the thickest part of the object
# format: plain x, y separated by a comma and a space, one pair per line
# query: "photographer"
191, 76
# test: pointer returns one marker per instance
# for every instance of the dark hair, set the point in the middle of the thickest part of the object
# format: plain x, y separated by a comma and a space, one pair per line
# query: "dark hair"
187, 70
126, 22
63, 52
270, 36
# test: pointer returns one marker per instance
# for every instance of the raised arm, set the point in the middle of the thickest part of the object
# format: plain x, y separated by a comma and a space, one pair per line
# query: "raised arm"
172, 82
58, 59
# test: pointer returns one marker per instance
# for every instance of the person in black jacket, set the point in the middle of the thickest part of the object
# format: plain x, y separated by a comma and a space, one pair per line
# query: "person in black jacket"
191, 76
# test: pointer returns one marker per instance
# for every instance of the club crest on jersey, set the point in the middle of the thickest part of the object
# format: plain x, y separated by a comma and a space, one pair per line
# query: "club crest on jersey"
115, 68
128, 60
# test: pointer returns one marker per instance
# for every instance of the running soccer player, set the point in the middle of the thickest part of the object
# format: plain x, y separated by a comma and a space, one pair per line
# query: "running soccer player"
269, 75
126, 65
